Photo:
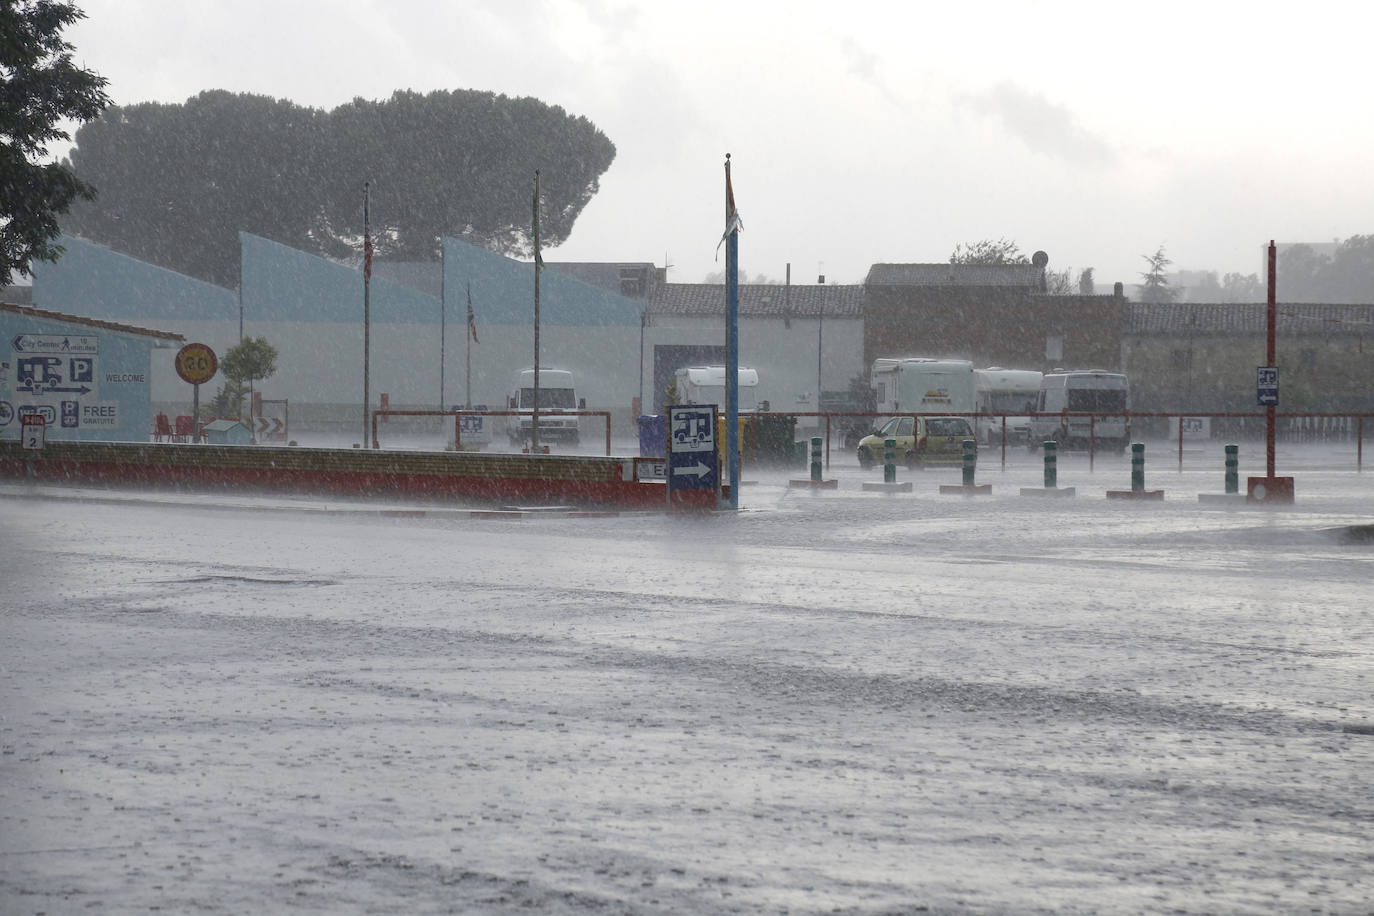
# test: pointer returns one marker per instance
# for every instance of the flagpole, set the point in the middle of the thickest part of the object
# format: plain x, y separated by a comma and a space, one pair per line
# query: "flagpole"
732, 335
467, 382
367, 317
443, 310
538, 264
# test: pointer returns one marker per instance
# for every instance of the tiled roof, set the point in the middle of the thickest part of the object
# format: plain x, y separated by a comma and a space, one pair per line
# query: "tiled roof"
759, 300
1250, 318
1020, 275
88, 322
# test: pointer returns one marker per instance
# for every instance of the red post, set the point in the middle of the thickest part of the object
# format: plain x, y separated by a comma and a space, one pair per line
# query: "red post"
1271, 318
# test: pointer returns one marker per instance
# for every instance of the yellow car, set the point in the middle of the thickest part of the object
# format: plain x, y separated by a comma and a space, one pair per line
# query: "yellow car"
937, 440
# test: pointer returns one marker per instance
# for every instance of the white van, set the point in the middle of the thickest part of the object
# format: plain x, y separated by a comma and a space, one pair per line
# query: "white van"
706, 385
557, 398
1082, 391
1012, 393
919, 385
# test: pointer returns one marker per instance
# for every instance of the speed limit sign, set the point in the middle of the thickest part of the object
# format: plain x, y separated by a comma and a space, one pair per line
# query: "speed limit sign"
196, 363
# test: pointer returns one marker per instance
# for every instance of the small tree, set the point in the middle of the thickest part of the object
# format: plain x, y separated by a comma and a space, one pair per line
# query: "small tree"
1057, 283
1086, 286
40, 87
252, 359
228, 401
1155, 287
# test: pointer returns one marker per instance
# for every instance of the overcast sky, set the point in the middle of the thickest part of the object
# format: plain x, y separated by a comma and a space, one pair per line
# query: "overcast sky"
861, 132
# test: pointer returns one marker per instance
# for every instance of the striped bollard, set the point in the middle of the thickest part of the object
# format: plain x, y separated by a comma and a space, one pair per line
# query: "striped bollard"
1051, 464
1232, 469
970, 460
815, 457
1137, 466
889, 461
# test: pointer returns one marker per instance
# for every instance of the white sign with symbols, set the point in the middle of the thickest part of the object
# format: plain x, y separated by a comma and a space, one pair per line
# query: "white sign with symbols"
34, 431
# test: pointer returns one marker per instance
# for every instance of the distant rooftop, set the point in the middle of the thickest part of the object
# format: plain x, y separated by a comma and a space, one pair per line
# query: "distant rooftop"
759, 300
1026, 276
1250, 318
89, 322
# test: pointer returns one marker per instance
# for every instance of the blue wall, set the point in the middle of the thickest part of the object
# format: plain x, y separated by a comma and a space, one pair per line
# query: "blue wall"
92, 281
283, 284
503, 292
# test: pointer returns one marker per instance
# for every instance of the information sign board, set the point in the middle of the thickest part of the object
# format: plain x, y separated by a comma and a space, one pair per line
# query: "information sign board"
693, 463
33, 431
1267, 386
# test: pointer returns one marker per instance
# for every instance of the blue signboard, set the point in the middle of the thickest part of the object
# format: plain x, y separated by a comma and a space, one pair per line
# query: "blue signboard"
693, 463
1267, 386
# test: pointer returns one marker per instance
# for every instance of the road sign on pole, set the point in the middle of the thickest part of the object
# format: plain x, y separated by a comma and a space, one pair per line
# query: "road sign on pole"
693, 461
1267, 386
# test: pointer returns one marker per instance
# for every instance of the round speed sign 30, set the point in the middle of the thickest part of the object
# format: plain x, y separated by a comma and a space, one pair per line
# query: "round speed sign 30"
196, 363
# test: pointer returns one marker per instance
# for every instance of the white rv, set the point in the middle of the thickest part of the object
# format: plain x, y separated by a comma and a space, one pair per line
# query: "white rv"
1012, 393
1086, 392
557, 398
706, 385
923, 386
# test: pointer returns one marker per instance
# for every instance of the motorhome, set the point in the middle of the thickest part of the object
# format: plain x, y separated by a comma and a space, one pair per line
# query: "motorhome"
1009, 395
923, 386
706, 385
557, 399
1098, 398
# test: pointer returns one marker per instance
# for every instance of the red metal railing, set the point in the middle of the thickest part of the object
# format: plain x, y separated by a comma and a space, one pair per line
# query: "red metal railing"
459, 414
1359, 419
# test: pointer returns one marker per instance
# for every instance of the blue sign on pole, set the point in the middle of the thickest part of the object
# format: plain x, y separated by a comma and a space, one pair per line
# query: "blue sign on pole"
692, 460
1267, 386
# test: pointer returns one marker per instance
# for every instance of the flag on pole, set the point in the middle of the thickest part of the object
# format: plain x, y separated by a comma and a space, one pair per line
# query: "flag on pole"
472, 319
732, 220
367, 254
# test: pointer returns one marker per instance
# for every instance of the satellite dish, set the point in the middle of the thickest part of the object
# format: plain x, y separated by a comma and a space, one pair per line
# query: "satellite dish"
1040, 259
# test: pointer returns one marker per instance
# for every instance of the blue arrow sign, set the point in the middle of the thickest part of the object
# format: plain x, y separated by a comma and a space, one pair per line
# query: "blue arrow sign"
693, 462
1267, 386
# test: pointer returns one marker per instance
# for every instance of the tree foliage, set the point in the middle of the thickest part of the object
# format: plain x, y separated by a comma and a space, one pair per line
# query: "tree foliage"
988, 251
1239, 287
1154, 285
1086, 285
180, 181
40, 86
251, 359
1345, 276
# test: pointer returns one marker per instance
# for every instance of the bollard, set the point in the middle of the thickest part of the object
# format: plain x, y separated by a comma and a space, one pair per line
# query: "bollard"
889, 461
970, 460
815, 457
1051, 464
1137, 466
1232, 469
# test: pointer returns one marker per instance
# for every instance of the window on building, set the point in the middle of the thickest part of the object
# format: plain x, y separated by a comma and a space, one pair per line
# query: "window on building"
1054, 347
1181, 358
632, 282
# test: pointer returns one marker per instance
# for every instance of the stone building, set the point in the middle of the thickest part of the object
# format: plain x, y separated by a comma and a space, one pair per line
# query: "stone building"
990, 314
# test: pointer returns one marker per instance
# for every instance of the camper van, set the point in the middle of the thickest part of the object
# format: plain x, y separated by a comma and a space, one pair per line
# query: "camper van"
918, 385
1009, 394
706, 385
1083, 391
557, 398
